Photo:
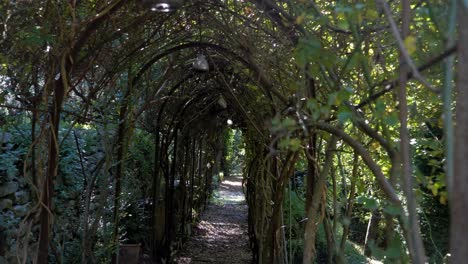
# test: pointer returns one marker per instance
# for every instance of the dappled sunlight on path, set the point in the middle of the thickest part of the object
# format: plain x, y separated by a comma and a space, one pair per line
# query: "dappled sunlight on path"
221, 235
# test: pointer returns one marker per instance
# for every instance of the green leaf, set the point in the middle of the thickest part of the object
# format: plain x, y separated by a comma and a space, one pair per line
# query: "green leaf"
380, 108
312, 104
344, 115
368, 202
344, 94
307, 50
392, 119
392, 210
351, 63
294, 144
288, 123
275, 121
371, 14
283, 143
300, 19
410, 44
332, 99
314, 108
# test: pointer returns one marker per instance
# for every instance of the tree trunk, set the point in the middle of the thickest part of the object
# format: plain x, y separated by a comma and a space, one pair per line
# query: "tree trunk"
170, 188
275, 231
33, 150
183, 189
52, 167
459, 185
192, 179
330, 235
415, 244
350, 203
121, 146
156, 191
314, 204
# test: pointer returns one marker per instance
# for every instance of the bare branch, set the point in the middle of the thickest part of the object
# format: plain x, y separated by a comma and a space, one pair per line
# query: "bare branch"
366, 157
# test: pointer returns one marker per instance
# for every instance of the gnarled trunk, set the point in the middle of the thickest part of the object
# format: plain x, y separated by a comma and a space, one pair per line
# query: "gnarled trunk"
52, 167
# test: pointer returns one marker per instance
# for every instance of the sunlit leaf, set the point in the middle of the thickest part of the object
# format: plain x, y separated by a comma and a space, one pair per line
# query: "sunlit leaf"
371, 14
300, 19
443, 200
410, 44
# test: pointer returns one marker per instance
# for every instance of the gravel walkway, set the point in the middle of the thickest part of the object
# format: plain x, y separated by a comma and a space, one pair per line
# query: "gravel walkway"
221, 236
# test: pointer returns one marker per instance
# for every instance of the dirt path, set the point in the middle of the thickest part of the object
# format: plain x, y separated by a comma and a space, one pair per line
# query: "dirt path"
221, 236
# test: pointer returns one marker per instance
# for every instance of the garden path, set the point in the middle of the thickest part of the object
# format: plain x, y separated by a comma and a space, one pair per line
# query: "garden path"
221, 236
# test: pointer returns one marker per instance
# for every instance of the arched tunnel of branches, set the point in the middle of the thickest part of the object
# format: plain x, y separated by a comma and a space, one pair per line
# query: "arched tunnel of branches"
119, 117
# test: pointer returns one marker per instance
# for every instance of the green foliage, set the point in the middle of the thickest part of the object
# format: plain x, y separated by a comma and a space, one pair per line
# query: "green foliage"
9, 163
392, 253
353, 253
35, 37
294, 213
368, 203
13, 151
308, 49
140, 159
235, 151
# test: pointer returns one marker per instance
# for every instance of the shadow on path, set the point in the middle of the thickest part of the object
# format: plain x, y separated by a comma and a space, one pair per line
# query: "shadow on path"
221, 236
